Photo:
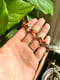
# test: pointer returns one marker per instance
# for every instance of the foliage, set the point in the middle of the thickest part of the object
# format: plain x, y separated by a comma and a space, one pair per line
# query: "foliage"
46, 6
55, 71
13, 11
16, 9
11, 33
3, 17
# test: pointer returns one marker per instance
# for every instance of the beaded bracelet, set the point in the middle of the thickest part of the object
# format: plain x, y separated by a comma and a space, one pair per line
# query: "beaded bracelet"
35, 36
24, 25
31, 29
41, 42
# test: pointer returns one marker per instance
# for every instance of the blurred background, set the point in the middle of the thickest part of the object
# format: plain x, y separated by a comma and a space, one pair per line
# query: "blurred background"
54, 21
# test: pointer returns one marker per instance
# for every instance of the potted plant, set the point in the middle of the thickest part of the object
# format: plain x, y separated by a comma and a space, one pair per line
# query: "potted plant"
52, 73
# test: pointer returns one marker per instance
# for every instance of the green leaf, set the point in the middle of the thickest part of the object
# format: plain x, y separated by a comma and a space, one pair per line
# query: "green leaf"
3, 17
45, 6
55, 78
29, 17
17, 9
56, 72
0, 3
11, 33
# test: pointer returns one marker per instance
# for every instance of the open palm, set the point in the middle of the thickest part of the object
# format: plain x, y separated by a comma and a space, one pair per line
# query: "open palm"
17, 60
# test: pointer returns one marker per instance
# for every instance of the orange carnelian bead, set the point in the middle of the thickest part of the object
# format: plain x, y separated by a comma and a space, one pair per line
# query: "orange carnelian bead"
43, 41
24, 25
34, 31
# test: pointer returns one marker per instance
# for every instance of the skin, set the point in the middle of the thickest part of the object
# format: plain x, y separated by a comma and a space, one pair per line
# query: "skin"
17, 60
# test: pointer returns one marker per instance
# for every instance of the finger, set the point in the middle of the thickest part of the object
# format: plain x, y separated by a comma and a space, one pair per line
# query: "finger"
48, 39
29, 37
42, 34
32, 22
44, 31
39, 53
39, 24
22, 32
37, 27
34, 44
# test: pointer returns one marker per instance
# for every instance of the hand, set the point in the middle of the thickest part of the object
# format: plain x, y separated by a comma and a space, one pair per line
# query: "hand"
17, 60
